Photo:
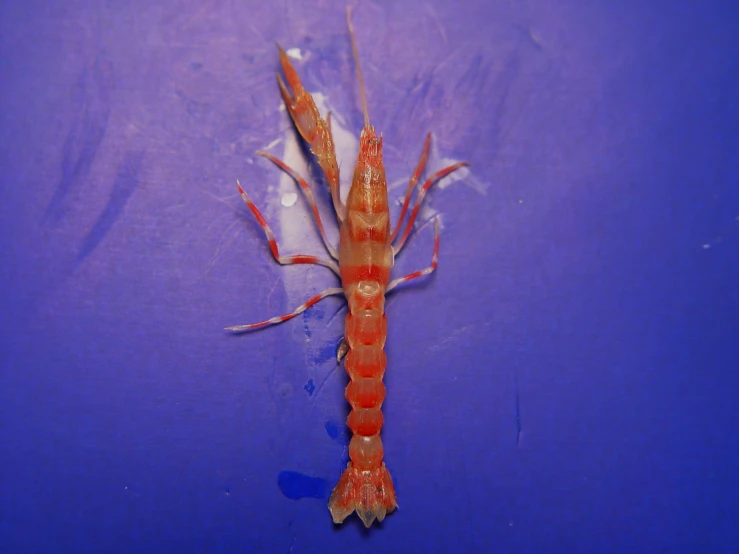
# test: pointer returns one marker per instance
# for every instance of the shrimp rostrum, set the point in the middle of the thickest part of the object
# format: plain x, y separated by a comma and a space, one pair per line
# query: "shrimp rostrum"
365, 257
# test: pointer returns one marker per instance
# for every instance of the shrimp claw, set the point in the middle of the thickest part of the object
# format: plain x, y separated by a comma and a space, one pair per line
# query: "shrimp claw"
311, 126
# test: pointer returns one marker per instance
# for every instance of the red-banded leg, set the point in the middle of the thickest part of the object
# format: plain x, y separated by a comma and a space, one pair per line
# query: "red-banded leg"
279, 319
284, 260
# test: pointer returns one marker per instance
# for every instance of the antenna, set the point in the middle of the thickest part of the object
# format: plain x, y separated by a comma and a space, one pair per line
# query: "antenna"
356, 62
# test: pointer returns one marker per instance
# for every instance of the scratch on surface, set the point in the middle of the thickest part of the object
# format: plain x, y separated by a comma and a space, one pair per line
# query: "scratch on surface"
533, 36
218, 220
517, 408
173, 207
223, 245
435, 16
256, 32
223, 200
456, 333
272, 289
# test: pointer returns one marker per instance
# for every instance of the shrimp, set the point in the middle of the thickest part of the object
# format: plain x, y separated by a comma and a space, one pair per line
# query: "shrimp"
366, 254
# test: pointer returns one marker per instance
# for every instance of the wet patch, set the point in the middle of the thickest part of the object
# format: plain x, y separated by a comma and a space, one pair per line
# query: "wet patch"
295, 485
337, 432
325, 353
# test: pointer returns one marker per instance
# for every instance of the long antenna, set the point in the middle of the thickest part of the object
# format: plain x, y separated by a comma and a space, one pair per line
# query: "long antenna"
356, 62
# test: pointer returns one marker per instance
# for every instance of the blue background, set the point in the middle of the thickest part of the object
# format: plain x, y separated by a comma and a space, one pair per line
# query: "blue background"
567, 380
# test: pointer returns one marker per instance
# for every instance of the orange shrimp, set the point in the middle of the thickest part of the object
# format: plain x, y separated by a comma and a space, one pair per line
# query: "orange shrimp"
365, 258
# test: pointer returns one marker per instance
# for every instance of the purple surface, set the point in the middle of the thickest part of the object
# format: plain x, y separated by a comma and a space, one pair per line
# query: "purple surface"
566, 381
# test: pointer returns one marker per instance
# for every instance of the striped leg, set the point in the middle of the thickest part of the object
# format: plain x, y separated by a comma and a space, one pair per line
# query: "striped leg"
434, 262
412, 184
308, 196
279, 319
284, 260
421, 194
